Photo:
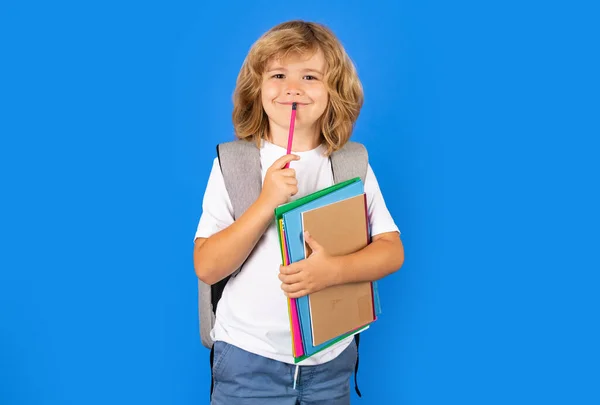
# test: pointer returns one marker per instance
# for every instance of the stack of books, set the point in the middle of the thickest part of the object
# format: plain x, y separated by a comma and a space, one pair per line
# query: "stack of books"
337, 218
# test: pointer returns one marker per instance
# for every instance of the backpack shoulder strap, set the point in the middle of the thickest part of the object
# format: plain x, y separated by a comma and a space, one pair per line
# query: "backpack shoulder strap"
350, 161
240, 164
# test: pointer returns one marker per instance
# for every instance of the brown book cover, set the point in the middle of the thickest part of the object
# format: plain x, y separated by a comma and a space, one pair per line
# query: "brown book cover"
341, 228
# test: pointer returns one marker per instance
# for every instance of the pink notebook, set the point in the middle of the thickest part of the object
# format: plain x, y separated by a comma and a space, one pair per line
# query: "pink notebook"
296, 335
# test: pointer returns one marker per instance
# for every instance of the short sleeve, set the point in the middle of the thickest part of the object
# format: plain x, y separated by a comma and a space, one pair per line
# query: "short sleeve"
217, 210
380, 218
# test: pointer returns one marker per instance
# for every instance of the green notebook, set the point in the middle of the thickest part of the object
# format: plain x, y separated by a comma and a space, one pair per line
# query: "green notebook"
279, 211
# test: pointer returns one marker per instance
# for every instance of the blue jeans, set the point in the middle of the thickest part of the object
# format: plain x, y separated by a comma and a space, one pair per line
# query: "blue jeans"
243, 378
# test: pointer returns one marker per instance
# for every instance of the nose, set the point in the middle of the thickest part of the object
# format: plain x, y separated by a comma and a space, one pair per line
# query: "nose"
293, 88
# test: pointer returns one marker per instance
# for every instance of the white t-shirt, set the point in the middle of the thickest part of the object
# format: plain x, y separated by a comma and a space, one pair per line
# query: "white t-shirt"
253, 311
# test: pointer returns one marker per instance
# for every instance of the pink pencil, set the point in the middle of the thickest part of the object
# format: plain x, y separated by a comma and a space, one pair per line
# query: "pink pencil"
291, 134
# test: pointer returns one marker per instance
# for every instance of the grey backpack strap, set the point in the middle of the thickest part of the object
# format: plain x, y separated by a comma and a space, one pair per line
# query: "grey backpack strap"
240, 166
349, 162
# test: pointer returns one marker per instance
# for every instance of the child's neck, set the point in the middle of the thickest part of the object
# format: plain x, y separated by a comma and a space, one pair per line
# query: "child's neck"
303, 139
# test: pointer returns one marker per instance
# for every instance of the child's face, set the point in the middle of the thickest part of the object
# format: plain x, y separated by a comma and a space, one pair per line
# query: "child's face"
296, 79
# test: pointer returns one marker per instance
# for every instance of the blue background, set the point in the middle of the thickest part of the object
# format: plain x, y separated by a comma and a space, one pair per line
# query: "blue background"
481, 119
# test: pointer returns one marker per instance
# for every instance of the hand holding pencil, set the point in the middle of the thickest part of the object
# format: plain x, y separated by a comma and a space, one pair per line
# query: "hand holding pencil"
280, 181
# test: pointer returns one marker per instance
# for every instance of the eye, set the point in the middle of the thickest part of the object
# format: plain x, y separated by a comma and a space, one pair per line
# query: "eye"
309, 77
278, 76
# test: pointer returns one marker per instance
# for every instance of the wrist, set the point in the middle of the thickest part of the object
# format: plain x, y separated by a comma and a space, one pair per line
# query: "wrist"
337, 270
264, 208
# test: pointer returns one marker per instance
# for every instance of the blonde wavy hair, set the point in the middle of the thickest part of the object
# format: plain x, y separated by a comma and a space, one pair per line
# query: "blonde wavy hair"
345, 90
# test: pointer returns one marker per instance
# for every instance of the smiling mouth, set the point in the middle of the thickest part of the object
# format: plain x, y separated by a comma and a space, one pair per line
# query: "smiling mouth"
291, 102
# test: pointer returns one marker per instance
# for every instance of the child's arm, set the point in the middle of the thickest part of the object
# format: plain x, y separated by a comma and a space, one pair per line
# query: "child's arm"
383, 256
221, 254
218, 256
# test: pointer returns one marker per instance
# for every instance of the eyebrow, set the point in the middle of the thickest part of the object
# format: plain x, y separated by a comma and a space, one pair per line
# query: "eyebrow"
303, 70
312, 70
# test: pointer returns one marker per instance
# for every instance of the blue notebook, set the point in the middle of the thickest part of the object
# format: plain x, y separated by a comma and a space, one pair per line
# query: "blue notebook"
295, 244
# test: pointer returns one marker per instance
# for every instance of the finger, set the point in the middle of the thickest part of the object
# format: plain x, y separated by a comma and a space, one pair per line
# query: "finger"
282, 161
314, 245
291, 269
288, 172
291, 181
297, 294
291, 278
292, 288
